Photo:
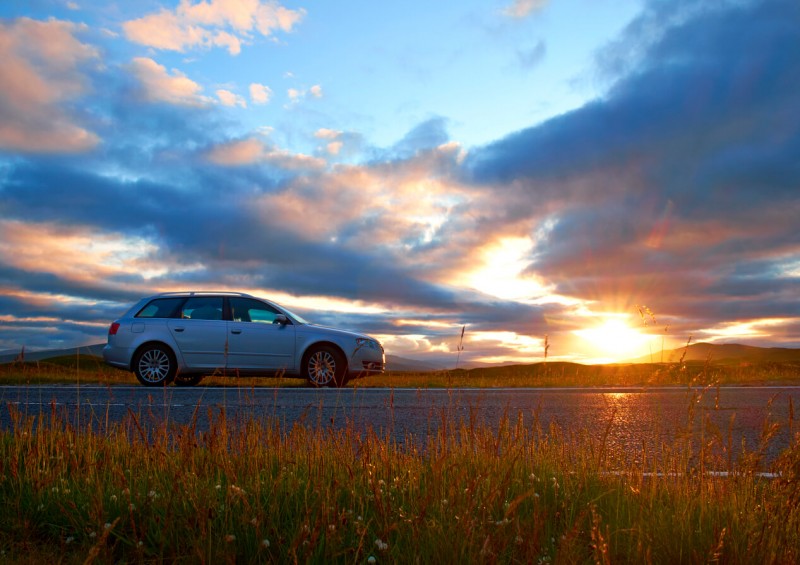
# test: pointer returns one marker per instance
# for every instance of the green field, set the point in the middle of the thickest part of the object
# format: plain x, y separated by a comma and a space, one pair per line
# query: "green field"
252, 491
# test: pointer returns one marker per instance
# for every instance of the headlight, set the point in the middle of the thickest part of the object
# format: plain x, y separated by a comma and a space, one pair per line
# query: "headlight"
363, 342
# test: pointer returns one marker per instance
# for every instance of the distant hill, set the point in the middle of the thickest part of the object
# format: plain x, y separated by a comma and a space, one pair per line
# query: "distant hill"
402, 364
724, 353
95, 350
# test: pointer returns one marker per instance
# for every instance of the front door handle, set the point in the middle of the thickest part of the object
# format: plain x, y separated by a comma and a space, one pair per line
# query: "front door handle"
179, 329
237, 332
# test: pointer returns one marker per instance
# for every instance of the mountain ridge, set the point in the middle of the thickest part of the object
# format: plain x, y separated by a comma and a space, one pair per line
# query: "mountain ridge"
723, 353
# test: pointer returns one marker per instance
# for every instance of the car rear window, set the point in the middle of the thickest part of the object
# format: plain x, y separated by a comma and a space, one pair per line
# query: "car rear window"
161, 308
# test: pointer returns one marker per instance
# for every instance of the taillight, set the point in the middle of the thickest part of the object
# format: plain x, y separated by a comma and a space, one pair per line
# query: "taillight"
113, 329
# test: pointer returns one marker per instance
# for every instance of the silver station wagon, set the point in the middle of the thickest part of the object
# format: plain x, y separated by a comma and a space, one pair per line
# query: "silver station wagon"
182, 336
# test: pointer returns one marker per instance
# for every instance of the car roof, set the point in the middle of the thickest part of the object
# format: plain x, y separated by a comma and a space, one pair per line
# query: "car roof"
202, 293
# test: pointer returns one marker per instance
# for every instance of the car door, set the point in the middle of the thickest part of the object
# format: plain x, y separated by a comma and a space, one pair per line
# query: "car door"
200, 332
255, 340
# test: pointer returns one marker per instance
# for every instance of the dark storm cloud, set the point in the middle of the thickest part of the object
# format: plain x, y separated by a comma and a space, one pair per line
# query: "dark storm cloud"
683, 174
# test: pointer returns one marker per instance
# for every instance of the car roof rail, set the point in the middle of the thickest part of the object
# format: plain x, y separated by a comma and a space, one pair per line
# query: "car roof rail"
203, 293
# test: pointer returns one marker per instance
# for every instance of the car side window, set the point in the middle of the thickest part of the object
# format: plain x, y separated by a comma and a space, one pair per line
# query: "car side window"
202, 308
249, 310
161, 308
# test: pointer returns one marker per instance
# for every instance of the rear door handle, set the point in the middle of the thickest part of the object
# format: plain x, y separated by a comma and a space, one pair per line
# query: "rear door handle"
179, 329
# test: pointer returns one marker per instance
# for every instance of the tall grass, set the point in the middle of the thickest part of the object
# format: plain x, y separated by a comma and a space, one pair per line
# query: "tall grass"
252, 490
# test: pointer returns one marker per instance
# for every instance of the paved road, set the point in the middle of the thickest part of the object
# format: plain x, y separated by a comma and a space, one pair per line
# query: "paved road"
630, 419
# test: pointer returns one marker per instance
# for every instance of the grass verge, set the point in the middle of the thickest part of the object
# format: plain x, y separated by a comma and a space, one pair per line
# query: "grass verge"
250, 491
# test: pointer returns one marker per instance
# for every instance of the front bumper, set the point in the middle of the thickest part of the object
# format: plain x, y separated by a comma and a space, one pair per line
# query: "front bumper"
367, 361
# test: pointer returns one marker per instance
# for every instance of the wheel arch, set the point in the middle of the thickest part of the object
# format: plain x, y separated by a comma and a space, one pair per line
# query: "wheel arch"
322, 343
154, 342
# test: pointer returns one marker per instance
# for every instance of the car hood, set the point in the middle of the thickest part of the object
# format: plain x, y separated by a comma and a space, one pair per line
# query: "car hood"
336, 331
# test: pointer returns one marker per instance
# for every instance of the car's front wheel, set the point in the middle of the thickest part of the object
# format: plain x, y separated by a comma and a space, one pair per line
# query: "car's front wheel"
154, 365
325, 366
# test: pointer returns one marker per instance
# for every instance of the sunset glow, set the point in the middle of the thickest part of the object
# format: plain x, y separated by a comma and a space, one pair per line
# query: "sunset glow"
409, 170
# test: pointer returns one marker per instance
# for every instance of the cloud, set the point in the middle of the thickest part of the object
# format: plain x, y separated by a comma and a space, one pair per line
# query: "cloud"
252, 151
218, 23
676, 189
158, 85
228, 98
519, 9
296, 95
532, 57
260, 93
678, 177
41, 73
426, 135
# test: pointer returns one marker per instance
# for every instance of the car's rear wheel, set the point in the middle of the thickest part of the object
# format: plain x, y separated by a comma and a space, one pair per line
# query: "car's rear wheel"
325, 366
187, 380
154, 365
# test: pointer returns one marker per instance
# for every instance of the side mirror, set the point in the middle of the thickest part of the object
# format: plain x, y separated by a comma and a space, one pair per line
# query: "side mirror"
280, 319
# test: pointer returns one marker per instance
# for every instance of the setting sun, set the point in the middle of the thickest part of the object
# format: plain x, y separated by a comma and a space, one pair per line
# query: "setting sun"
615, 340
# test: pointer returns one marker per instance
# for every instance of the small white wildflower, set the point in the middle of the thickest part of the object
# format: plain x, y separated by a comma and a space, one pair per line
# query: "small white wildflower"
379, 543
70, 539
332, 528
519, 540
535, 495
40, 507
107, 525
113, 498
230, 538
359, 518
126, 492
92, 535
371, 559
265, 542
444, 502
254, 521
131, 507
151, 494
218, 487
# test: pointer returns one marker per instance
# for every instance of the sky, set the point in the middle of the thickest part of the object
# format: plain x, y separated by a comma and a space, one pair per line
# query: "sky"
578, 180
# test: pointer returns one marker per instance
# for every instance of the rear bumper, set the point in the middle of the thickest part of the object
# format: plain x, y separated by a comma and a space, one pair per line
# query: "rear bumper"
117, 357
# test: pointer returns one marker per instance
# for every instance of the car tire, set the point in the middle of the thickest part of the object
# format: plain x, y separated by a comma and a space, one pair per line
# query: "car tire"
325, 366
154, 365
187, 380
